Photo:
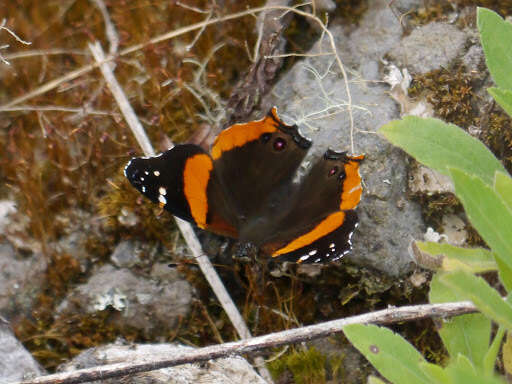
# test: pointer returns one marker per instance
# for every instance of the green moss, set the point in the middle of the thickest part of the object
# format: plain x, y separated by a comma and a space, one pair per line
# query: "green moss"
125, 210
351, 11
307, 366
430, 12
450, 92
497, 135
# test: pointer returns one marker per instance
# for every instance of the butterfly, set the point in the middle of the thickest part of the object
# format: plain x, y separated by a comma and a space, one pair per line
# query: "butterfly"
244, 188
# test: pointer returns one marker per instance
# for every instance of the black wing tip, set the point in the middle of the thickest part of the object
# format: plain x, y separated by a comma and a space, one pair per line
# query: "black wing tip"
292, 130
334, 155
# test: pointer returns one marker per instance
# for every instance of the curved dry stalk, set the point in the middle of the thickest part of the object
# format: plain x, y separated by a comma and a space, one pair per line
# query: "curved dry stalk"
272, 340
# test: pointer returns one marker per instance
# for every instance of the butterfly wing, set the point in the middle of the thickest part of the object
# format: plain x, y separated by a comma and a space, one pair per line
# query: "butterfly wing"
183, 181
320, 222
254, 161
331, 244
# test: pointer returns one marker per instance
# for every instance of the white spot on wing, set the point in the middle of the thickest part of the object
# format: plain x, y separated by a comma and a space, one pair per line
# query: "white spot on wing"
156, 173
146, 173
304, 257
162, 191
313, 252
162, 199
143, 189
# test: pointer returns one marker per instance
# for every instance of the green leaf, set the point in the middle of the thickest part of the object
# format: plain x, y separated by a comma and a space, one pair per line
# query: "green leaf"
468, 335
459, 375
487, 212
503, 97
440, 146
492, 352
436, 373
505, 274
507, 355
375, 380
496, 36
464, 363
448, 257
440, 292
394, 358
486, 299
461, 371
503, 186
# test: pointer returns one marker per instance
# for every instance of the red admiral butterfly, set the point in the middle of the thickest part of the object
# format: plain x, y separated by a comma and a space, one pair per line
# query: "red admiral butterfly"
244, 189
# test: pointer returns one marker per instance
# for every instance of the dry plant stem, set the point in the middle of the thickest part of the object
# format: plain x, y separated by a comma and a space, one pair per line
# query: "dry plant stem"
272, 340
110, 29
121, 100
181, 31
186, 229
259, 78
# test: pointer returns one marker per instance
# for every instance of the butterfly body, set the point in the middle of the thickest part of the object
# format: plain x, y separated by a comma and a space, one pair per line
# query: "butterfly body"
244, 189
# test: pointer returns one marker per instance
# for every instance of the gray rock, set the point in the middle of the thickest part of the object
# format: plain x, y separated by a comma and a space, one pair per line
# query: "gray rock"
388, 221
16, 363
429, 47
405, 6
20, 279
454, 228
145, 303
74, 244
228, 370
7, 207
378, 31
125, 255
474, 57
424, 180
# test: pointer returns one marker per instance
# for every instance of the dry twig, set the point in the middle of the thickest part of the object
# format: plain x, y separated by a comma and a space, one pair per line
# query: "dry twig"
272, 340
4, 28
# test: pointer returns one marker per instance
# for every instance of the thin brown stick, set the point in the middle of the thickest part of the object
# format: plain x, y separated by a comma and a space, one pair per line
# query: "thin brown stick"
272, 340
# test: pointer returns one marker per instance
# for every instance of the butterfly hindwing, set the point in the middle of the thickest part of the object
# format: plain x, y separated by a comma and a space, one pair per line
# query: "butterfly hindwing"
330, 246
322, 211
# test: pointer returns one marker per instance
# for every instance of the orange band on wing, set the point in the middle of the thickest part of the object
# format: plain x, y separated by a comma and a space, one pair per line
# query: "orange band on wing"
327, 225
352, 190
240, 134
195, 182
